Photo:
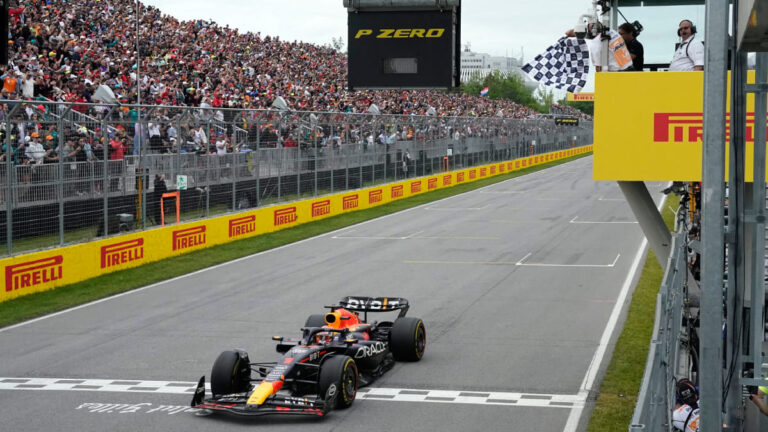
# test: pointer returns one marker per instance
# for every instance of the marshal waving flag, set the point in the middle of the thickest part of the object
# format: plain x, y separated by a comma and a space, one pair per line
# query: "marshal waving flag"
484, 91
564, 65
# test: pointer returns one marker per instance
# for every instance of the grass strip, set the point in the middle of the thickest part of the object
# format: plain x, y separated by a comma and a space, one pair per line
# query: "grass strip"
34, 305
619, 389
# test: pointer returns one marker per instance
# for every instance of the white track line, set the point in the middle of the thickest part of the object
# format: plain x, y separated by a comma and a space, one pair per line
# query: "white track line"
540, 400
574, 221
534, 264
328, 234
457, 208
572, 424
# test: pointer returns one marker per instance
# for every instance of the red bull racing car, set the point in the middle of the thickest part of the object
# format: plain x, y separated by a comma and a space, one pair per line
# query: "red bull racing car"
337, 353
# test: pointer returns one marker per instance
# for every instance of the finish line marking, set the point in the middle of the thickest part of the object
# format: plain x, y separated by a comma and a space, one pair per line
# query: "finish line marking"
369, 393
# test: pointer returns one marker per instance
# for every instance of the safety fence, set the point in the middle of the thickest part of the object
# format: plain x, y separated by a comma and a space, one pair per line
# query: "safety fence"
656, 400
78, 172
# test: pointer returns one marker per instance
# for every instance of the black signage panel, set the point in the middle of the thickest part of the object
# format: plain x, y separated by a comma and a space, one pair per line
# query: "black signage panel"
403, 49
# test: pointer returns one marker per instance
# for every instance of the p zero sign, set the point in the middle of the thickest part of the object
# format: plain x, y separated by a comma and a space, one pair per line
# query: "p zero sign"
403, 48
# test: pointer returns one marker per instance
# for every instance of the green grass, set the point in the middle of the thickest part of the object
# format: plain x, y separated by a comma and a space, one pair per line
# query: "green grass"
33, 305
621, 384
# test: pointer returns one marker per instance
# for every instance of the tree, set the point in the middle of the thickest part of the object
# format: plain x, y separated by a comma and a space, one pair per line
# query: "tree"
545, 96
337, 43
585, 107
503, 86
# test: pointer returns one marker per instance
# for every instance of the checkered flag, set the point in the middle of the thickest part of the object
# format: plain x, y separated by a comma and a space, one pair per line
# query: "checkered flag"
564, 65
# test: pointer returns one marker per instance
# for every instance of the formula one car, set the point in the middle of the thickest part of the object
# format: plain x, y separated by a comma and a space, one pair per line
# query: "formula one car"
337, 353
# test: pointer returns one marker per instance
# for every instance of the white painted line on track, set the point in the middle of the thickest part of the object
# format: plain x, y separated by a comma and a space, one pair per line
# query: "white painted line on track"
503, 192
457, 208
540, 400
603, 198
572, 424
575, 221
535, 264
237, 260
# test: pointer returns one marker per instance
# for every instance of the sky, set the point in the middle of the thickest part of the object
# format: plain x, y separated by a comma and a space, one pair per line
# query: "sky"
496, 27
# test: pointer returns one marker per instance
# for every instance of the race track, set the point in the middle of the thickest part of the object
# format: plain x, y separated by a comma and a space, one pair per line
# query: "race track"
516, 282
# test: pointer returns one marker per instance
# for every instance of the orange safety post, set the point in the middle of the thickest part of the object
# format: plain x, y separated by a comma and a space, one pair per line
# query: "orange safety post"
162, 209
446, 163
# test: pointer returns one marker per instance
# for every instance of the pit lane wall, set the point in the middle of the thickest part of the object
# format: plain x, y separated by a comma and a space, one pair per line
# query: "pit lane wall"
649, 126
49, 269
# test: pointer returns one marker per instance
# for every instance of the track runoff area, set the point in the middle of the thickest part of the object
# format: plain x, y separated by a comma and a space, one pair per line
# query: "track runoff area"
521, 285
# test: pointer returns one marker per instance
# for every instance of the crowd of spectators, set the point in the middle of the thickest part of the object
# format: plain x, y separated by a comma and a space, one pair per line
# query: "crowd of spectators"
63, 50
567, 110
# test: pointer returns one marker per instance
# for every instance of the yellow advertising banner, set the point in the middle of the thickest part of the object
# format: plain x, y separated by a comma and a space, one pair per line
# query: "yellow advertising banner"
581, 97
49, 269
649, 126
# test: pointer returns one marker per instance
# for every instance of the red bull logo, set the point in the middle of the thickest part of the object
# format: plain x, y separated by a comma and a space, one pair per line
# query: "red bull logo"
375, 196
33, 273
472, 174
459, 177
285, 216
190, 237
242, 225
350, 202
122, 253
415, 187
396, 191
321, 208
446, 180
432, 183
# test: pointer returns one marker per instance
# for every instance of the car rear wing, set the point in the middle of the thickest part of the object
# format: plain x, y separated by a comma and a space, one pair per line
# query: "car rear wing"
374, 304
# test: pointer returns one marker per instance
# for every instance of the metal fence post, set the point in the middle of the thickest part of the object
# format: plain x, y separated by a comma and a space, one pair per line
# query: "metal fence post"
60, 183
10, 167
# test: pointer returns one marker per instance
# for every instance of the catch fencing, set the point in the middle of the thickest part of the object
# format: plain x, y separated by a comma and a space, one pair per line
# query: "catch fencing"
78, 172
666, 357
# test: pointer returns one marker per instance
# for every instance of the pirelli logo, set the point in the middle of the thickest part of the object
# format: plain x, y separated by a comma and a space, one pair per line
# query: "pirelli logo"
188, 238
536, 159
446, 180
509, 166
459, 177
321, 208
472, 174
122, 253
400, 33
502, 168
396, 191
285, 216
525, 162
375, 196
415, 187
483, 172
33, 273
517, 164
242, 225
350, 201
493, 169
432, 183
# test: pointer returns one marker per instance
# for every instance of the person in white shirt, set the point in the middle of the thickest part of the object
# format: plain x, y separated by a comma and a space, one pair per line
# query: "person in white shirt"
36, 151
221, 144
689, 55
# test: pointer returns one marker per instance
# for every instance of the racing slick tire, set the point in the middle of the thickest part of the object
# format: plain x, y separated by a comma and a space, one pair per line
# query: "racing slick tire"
231, 373
407, 339
315, 320
338, 378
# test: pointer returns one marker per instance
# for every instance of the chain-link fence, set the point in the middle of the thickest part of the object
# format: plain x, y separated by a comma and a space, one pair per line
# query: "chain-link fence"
76, 172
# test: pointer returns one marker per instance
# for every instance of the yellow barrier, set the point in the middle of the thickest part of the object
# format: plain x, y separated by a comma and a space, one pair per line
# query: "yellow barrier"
45, 270
649, 126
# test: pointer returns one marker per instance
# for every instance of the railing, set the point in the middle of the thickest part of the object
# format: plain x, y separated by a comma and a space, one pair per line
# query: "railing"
76, 187
656, 400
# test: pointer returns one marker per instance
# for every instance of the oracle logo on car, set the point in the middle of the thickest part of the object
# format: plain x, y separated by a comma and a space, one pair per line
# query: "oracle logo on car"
375, 196
285, 216
321, 208
32, 273
242, 225
459, 177
432, 183
446, 180
416, 187
396, 191
122, 253
472, 174
350, 202
190, 237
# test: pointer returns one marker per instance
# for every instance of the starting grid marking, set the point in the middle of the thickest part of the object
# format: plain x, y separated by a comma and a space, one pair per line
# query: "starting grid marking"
368, 393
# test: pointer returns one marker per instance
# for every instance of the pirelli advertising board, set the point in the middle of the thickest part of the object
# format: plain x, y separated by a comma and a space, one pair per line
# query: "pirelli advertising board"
649, 126
403, 49
49, 269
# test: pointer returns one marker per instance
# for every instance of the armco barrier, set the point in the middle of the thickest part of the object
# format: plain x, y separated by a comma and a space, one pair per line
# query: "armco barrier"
49, 269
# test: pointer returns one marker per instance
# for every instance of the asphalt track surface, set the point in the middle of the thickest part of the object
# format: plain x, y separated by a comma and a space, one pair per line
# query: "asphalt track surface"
516, 282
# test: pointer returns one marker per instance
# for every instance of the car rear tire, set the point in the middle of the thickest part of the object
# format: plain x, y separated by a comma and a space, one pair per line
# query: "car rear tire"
339, 378
231, 373
315, 320
408, 339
